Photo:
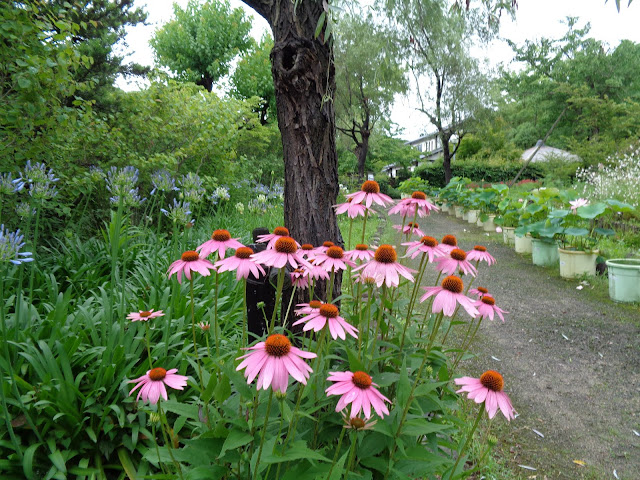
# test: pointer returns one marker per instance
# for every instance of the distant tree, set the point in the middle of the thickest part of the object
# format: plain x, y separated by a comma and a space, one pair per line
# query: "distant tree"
199, 44
369, 73
252, 78
451, 86
100, 26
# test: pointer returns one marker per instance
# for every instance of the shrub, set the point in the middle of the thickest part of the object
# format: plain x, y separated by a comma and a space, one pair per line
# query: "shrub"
478, 171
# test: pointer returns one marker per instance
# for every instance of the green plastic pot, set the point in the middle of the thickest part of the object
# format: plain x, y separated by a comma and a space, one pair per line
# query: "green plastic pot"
624, 279
544, 253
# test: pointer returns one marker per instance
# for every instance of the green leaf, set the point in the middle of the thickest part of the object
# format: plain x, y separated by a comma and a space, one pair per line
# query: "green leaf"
320, 24
619, 206
297, 451
576, 231
420, 426
24, 82
591, 211
58, 461
558, 213
127, 464
213, 472
404, 387
222, 390
27, 460
605, 232
235, 439
182, 409
355, 365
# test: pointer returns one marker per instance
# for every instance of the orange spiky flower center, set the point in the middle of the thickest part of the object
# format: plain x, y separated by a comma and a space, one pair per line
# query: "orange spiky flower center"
190, 256
357, 423
386, 254
412, 225
145, 314
361, 380
335, 252
452, 284
370, 186
362, 247
480, 248
307, 246
450, 240
419, 195
281, 231
329, 311
458, 254
286, 245
488, 300
221, 236
157, 374
315, 304
277, 345
429, 241
328, 244
244, 252
483, 290
492, 380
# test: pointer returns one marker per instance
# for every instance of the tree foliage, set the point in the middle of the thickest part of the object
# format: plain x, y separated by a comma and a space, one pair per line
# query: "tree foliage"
199, 44
252, 78
596, 84
451, 85
369, 73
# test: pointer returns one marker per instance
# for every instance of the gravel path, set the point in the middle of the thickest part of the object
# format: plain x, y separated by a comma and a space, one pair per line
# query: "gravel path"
571, 363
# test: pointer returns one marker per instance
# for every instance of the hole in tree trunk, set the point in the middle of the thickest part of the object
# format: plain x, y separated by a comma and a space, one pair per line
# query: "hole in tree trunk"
288, 58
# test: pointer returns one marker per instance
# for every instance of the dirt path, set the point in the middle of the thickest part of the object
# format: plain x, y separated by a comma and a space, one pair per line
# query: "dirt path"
571, 363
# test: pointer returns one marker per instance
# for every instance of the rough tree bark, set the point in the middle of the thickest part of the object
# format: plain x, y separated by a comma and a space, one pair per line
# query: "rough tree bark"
304, 78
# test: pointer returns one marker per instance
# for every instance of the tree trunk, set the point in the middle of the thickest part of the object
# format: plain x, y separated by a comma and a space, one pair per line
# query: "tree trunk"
304, 78
362, 149
446, 160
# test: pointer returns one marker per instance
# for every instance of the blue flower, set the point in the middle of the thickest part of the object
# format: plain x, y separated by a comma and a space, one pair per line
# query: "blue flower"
9, 185
163, 181
178, 212
10, 245
121, 183
40, 181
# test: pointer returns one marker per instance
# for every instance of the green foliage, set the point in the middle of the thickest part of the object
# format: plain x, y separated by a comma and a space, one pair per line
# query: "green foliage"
252, 78
479, 171
199, 44
596, 85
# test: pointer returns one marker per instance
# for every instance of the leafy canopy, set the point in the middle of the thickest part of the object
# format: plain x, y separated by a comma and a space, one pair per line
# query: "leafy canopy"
199, 44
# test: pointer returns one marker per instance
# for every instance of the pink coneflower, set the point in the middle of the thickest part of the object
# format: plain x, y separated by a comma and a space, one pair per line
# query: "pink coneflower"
488, 389
580, 202
144, 315
487, 308
448, 296
307, 251
448, 243
417, 202
426, 244
480, 254
189, 262
205, 327
319, 251
300, 278
328, 314
361, 252
357, 424
271, 238
357, 389
457, 260
385, 268
241, 263
274, 360
368, 279
153, 384
410, 228
316, 272
312, 307
369, 193
220, 241
334, 260
478, 292
285, 252
351, 208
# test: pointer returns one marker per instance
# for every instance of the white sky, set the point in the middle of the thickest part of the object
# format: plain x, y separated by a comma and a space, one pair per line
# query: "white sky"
534, 19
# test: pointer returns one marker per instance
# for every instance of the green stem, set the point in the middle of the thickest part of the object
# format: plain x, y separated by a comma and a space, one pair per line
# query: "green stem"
279, 286
264, 431
244, 314
215, 318
352, 454
350, 228
167, 442
193, 332
330, 285
155, 441
273, 451
146, 339
35, 252
468, 440
337, 454
412, 299
286, 317
364, 225
378, 323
